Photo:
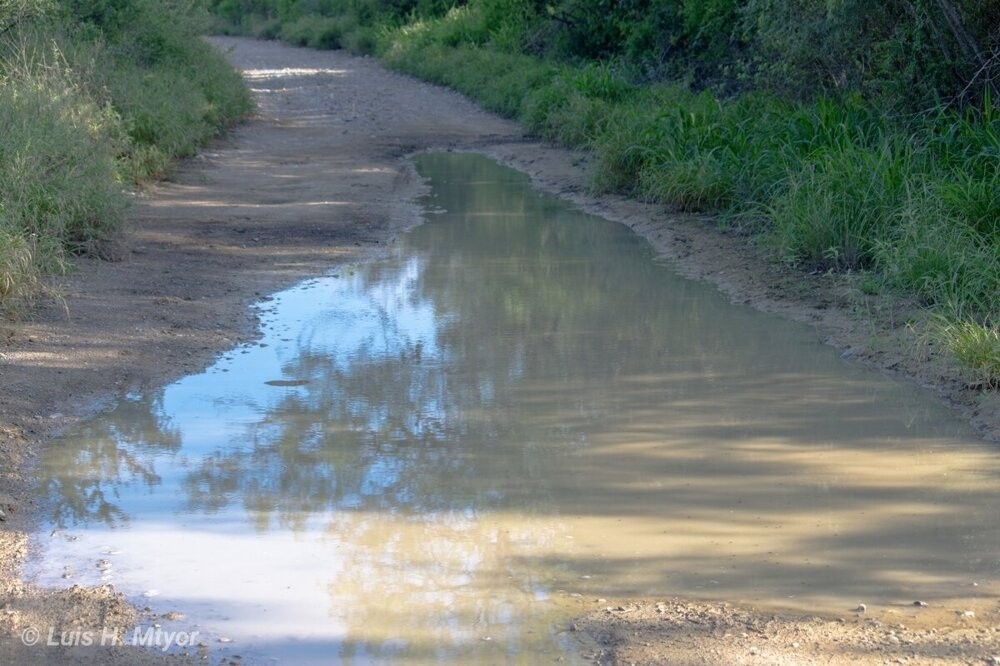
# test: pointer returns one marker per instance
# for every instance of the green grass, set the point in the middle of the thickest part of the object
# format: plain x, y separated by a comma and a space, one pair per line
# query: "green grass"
977, 347
88, 110
60, 191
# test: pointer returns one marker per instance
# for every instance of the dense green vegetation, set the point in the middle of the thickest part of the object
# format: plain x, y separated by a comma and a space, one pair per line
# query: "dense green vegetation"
95, 96
846, 135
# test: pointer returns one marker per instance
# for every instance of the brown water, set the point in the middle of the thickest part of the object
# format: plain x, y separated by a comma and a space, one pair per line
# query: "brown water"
444, 455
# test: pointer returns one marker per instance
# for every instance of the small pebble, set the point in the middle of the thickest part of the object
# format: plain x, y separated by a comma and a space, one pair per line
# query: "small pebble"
861, 608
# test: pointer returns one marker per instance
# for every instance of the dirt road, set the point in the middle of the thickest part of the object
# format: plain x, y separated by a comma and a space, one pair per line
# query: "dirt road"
320, 178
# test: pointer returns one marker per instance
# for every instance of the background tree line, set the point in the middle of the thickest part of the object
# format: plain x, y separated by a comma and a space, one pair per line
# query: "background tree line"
902, 52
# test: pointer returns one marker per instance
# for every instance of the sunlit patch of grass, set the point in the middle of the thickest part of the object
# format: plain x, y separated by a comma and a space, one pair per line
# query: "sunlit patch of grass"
975, 345
18, 274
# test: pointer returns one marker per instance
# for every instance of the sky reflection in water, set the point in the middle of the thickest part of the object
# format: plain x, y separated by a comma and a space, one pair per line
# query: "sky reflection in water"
516, 412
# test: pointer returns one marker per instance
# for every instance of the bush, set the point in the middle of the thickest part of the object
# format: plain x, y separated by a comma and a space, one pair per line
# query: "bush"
315, 31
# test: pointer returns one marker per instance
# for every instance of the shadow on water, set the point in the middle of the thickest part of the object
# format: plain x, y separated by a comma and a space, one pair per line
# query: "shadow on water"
517, 408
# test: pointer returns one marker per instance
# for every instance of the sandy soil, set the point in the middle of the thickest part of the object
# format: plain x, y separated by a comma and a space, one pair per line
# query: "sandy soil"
321, 178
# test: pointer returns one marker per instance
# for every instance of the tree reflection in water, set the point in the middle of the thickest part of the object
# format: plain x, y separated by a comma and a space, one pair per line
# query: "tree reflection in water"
516, 397
415, 368
83, 477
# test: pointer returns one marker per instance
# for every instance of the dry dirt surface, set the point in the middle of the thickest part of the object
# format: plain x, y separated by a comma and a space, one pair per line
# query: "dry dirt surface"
685, 633
320, 178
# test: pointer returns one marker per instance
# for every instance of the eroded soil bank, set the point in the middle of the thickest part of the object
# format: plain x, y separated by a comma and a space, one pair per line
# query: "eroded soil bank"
321, 178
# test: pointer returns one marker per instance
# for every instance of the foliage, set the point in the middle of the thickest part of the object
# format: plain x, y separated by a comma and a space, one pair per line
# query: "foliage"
94, 96
976, 345
902, 54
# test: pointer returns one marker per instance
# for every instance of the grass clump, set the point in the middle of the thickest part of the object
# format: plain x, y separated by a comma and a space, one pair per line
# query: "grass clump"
977, 347
17, 270
836, 207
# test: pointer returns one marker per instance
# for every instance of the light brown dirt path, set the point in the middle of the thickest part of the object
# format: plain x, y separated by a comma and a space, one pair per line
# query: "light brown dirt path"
318, 179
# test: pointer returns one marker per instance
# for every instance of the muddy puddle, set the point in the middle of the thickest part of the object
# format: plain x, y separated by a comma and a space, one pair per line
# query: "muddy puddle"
447, 454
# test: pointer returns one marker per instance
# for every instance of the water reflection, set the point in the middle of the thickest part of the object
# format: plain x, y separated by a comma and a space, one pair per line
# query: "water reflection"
85, 481
519, 405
